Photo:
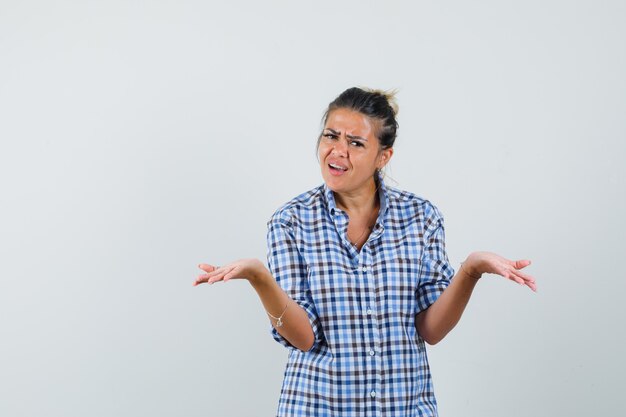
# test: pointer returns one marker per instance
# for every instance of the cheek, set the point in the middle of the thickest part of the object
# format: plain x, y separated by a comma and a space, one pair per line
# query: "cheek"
323, 151
367, 163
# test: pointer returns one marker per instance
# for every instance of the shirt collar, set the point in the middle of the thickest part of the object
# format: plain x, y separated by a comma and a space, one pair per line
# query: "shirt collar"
382, 195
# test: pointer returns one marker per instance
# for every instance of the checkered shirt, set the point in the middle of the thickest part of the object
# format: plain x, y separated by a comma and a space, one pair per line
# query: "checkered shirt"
367, 358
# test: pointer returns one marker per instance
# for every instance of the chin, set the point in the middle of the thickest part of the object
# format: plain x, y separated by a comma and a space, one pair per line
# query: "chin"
338, 187
332, 184
334, 188
335, 184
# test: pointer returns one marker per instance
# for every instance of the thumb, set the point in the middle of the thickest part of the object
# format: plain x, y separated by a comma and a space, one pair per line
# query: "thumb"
521, 263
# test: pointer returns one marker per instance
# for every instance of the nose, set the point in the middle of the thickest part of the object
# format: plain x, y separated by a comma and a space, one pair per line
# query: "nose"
340, 148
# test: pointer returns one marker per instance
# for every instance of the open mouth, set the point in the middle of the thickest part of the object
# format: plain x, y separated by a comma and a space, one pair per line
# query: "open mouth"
337, 169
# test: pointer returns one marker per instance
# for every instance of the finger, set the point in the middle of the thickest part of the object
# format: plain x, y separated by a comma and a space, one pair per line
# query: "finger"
510, 269
524, 276
205, 277
207, 267
232, 274
219, 274
218, 270
521, 263
202, 278
510, 275
531, 284
517, 279
212, 271
505, 270
524, 279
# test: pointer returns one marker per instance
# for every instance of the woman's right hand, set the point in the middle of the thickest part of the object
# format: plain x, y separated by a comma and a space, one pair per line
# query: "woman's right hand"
250, 269
478, 263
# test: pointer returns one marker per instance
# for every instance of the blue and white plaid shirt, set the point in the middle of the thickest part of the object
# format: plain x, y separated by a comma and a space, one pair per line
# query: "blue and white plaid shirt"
367, 358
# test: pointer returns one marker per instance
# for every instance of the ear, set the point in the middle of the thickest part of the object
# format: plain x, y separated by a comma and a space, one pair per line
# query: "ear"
384, 157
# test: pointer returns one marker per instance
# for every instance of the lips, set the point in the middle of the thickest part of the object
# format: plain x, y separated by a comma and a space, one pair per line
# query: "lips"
337, 169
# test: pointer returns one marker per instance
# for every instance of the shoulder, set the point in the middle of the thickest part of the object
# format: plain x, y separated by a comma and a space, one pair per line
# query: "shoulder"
304, 206
405, 204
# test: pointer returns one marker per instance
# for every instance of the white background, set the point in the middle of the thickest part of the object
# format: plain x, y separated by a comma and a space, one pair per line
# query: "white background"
138, 139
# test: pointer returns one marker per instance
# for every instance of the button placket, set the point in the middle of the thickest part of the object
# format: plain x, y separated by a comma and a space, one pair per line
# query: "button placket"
374, 366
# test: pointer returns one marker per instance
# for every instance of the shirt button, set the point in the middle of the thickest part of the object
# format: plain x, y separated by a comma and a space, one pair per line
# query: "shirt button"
372, 353
369, 311
373, 394
364, 269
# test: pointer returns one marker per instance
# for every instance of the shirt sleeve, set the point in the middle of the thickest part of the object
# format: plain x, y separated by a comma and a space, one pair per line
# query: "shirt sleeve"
290, 271
435, 269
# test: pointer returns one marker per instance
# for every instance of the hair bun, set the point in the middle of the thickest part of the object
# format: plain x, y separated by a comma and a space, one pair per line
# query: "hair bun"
390, 96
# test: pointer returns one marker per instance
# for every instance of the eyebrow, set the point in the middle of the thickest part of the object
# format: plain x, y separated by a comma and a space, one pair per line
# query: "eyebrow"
334, 132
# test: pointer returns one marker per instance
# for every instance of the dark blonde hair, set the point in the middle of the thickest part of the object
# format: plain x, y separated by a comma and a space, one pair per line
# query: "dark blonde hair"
378, 105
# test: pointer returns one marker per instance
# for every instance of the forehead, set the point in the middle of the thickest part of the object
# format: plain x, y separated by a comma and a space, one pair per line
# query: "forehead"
351, 122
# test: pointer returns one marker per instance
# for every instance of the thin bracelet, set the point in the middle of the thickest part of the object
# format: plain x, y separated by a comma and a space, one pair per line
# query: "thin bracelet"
279, 320
468, 274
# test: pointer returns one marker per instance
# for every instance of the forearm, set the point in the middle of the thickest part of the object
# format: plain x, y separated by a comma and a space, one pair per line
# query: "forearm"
296, 327
436, 321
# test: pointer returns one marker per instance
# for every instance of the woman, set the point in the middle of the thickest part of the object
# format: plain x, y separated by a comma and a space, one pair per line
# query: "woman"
358, 276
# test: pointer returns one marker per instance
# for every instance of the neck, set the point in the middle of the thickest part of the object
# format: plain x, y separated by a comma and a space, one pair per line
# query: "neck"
359, 201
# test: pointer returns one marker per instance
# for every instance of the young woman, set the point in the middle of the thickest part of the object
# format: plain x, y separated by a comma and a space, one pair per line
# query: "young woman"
358, 276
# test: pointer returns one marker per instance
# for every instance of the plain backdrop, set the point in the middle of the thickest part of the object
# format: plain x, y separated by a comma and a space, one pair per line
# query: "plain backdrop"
140, 138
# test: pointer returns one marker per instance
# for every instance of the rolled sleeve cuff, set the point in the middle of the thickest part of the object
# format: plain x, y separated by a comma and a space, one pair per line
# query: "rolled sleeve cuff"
431, 290
315, 325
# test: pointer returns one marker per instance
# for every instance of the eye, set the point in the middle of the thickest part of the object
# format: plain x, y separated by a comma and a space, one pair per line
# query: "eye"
330, 136
356, 143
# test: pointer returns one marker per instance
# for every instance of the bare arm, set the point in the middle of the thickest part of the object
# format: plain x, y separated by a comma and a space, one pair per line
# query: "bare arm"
296, 328
434, 323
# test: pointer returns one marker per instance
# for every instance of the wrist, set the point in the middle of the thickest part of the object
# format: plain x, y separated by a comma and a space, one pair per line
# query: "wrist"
470, 272
261, 276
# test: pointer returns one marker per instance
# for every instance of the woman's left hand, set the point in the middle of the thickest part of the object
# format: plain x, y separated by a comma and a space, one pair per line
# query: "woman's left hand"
478, 263
250, 269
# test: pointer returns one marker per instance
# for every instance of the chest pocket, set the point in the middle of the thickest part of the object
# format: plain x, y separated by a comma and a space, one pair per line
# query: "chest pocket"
398, 286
